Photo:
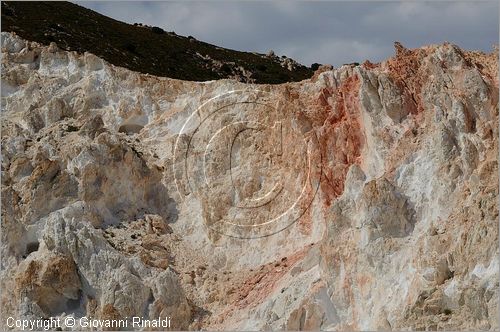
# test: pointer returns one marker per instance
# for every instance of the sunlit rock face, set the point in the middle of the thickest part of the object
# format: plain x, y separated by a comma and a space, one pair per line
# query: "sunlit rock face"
364, 198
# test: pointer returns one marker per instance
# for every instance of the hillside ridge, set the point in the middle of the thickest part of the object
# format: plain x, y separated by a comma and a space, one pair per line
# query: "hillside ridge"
143, 48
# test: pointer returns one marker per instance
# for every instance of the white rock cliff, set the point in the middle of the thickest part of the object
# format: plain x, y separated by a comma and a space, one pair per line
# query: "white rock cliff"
364, 198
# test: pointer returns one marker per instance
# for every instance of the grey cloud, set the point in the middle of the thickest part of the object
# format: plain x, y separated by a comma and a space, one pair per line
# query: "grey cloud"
324, 32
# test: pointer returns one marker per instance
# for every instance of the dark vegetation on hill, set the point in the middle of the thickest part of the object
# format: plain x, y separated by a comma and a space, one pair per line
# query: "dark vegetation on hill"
142, 48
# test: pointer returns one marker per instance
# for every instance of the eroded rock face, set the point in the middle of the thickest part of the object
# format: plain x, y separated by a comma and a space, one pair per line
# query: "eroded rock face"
364, 198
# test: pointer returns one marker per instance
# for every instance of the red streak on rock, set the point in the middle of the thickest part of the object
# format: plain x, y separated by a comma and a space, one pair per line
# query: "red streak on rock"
255, 289
340, 138
404, 70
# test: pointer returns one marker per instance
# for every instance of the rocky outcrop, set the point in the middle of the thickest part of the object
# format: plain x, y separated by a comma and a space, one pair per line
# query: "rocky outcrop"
364, 198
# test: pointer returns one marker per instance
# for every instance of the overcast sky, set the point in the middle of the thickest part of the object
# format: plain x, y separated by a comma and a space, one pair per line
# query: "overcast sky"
323, 32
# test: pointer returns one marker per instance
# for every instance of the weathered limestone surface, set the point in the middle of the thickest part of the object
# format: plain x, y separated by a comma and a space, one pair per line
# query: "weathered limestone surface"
364, 198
